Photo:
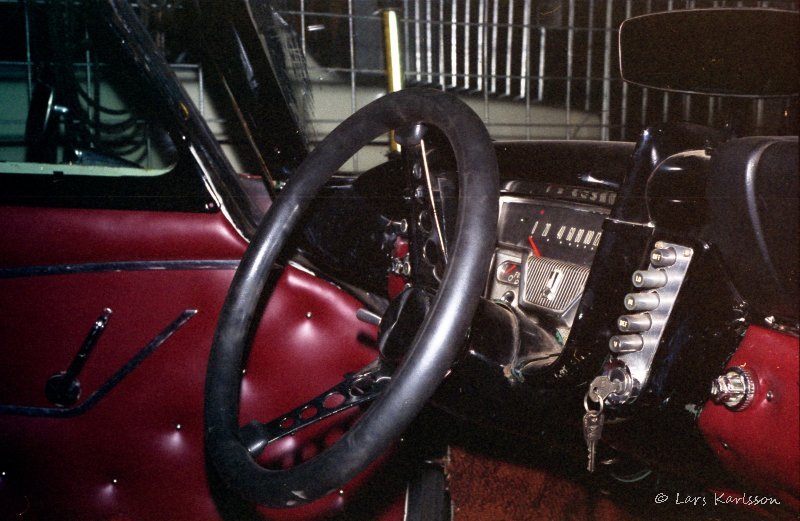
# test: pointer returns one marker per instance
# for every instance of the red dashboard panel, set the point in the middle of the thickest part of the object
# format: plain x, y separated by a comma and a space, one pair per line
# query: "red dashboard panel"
759, 444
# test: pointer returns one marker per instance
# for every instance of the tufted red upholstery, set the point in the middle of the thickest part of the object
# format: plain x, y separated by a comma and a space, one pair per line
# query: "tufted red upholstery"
138, 454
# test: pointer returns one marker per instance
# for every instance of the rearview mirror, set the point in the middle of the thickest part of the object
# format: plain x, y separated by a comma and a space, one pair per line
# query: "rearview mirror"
733, 52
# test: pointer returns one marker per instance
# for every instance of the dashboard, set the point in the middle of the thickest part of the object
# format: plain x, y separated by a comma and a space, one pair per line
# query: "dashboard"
577, 223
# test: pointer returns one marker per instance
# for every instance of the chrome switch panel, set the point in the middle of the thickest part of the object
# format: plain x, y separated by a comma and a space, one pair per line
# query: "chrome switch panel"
649, 307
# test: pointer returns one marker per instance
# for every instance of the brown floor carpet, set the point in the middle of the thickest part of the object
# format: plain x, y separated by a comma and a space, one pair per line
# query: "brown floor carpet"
485, 489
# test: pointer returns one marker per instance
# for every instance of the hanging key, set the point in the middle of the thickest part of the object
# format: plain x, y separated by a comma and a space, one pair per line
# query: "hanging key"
593, 422
592, 430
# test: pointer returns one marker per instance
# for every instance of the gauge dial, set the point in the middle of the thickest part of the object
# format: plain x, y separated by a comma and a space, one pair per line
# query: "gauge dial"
508, 272
555, 231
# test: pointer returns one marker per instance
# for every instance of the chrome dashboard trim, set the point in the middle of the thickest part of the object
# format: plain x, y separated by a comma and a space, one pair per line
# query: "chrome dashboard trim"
573, 205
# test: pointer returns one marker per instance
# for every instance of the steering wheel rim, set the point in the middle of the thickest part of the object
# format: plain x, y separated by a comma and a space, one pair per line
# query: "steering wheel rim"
438, 340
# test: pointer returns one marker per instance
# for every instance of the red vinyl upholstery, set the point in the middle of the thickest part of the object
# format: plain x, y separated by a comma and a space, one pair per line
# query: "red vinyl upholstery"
138, 455
759, 444
40, 236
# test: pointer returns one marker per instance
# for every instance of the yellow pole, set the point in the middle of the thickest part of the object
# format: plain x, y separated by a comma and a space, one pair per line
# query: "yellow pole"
394, 68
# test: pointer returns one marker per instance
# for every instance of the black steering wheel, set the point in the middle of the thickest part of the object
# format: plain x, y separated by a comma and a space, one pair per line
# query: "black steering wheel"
437, 342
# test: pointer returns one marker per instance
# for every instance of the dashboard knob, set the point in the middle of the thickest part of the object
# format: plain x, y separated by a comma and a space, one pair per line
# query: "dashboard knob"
642, 301
735, 389
634, 323
663, 257
626, 343
649, 279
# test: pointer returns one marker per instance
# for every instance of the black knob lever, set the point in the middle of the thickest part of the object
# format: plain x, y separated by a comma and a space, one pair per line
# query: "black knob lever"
64, 389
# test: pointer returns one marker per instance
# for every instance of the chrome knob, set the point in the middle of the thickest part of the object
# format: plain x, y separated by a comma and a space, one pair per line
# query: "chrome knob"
663, 257
734, 389
626, 343
642, 301
649, 279
634, 323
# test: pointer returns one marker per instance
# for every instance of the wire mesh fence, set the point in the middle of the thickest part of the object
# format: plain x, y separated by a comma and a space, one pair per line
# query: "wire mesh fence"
531, 68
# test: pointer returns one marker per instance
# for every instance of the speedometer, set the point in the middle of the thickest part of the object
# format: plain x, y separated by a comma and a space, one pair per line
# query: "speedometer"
555, 231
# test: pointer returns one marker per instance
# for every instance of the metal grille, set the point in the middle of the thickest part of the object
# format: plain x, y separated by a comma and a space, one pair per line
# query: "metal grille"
553, 53
553, 285
530, 68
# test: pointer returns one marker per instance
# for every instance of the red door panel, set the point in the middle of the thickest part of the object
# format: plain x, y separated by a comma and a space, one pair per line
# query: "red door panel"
137, 454
43, 236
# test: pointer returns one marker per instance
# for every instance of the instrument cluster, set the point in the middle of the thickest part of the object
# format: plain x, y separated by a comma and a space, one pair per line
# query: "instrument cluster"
544, 253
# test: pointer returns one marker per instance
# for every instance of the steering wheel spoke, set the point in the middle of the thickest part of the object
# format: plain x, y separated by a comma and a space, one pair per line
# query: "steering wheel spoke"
356, 389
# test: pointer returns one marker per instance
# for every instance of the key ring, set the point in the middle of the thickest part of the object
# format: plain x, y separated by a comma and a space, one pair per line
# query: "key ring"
599, 401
